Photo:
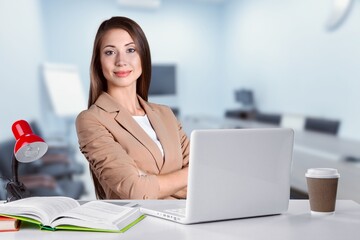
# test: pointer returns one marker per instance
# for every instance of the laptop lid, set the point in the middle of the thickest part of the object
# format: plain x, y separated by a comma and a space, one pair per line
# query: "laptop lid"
236, 173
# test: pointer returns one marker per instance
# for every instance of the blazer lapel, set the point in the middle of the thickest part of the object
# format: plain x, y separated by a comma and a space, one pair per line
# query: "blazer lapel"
123, 117
158, 125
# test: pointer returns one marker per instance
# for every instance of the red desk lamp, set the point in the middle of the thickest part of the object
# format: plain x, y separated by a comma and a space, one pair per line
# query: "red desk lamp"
28, 147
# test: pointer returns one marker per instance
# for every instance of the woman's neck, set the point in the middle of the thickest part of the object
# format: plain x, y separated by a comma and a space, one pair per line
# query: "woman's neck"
129, 101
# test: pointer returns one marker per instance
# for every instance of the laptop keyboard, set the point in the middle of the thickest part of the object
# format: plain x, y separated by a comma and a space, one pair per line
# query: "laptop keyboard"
179, 211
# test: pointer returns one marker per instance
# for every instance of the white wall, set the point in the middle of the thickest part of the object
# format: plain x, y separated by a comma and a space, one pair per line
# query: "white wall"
282, 50
21, 52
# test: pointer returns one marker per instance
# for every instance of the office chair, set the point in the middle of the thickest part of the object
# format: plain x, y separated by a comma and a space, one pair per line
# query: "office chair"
268, 118
322, 125
99, 191
2, 189
297, 194
38, 185
58, 161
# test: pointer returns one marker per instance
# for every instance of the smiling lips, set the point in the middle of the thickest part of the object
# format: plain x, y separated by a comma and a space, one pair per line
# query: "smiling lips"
122, 73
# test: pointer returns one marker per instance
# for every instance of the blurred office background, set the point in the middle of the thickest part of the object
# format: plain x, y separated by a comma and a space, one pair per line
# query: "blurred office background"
281, 51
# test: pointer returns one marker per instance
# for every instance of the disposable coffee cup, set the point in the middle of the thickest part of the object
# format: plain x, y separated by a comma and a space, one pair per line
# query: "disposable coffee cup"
322, 186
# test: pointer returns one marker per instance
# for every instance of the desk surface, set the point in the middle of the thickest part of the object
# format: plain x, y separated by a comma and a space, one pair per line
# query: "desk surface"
297, 223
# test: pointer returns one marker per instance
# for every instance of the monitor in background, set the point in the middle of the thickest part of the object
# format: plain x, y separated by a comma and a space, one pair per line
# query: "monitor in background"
163, 80
245, 97
163, 86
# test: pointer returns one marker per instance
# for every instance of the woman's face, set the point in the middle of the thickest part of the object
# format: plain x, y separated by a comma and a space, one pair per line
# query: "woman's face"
120, 61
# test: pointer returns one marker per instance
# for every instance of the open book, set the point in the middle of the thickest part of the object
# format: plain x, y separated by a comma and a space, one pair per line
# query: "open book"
54, 213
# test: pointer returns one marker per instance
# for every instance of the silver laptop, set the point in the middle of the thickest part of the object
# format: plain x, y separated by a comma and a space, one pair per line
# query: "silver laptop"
233, 173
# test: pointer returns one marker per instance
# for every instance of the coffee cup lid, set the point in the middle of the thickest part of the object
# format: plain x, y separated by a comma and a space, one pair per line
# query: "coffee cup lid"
322, 173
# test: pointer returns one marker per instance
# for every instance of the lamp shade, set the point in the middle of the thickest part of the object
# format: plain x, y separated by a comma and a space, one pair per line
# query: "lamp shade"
28, 147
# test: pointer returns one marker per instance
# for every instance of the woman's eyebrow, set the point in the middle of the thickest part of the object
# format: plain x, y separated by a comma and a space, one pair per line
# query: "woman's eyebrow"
112, 46
129, 44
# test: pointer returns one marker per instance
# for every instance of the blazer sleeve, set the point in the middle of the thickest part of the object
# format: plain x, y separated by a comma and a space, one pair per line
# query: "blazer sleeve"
185, 145
185, 148
110, 162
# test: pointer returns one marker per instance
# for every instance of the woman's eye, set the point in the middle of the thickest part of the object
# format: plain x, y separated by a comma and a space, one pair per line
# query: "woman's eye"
131, 50
109, 52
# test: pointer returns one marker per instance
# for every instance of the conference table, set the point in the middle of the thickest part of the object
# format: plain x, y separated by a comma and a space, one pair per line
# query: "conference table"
311, 149
296, 223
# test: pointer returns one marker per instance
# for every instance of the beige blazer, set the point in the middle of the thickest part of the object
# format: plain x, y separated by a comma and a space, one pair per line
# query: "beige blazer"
123, 158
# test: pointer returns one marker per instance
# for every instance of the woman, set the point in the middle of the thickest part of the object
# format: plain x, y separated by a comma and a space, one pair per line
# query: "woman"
135, 149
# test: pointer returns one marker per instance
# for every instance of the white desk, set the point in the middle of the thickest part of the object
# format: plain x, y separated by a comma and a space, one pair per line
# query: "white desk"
297, 223
311, 149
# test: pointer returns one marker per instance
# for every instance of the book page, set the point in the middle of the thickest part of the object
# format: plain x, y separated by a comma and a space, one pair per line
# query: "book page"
98, 214
42, 209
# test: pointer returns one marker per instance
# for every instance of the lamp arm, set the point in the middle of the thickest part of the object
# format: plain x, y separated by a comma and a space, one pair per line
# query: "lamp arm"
15, 189
15, 167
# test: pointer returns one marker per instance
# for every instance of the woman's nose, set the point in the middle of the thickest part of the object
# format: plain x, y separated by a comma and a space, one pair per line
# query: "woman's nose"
120, 60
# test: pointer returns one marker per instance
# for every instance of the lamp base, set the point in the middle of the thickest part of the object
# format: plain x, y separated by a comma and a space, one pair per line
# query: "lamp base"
16, 190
